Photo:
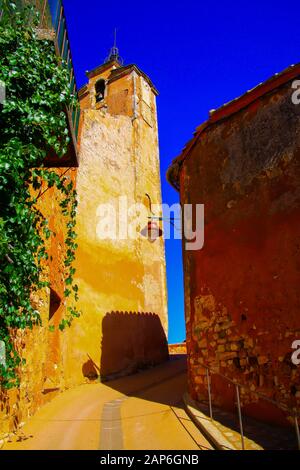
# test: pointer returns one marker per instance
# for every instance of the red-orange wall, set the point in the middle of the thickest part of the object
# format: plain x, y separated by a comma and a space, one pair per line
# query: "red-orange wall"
242, 292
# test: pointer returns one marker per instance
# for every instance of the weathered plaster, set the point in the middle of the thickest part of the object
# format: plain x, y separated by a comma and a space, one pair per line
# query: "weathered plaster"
241, 290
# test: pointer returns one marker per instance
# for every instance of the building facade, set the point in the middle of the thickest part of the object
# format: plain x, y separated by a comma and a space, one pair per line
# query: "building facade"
242, 295
121, 272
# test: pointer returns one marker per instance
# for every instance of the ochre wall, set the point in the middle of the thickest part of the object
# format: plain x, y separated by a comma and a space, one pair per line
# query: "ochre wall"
118, 157
177, 348
43, 374
242, 296
131, 341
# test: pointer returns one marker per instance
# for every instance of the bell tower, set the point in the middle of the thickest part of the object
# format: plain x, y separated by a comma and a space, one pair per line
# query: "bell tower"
120, 90
118, 167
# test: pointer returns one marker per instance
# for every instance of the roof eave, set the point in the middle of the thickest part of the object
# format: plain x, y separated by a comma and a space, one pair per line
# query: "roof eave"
101, 68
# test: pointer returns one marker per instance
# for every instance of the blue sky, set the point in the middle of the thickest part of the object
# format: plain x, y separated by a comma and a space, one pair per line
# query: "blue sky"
199, 55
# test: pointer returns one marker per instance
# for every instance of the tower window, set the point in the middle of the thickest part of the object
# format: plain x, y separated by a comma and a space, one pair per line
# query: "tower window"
100, 89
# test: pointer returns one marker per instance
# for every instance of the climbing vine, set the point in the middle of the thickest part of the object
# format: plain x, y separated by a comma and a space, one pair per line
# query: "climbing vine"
32, 122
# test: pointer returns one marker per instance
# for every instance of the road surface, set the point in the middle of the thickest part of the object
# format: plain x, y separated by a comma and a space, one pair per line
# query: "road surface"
143, 411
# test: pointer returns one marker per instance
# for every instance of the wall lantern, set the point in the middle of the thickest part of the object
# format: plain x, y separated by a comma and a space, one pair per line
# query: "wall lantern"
152, 231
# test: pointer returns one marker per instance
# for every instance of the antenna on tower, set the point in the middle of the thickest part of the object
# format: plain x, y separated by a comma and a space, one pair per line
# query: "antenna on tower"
115, 41
114, 52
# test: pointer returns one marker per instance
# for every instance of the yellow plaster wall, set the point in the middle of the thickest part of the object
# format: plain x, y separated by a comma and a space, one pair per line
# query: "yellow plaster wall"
118, 157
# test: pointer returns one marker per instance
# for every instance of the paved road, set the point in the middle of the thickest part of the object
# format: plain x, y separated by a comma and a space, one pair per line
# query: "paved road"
143, 411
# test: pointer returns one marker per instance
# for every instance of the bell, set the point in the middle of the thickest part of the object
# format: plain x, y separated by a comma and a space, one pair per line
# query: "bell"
152, 231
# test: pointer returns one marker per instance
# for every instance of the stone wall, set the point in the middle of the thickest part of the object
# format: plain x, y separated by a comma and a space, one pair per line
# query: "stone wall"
242, 296
177, 348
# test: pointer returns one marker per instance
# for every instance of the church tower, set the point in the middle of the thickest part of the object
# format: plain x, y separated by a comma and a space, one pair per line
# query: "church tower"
121, 277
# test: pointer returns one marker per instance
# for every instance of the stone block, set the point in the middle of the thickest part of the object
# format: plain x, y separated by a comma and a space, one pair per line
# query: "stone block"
262, 360
202, 343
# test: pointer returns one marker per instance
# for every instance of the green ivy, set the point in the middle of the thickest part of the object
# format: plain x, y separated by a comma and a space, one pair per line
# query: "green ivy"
32, 122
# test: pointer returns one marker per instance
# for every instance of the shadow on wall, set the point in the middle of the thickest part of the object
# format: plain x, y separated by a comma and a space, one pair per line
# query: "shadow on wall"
130, 342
